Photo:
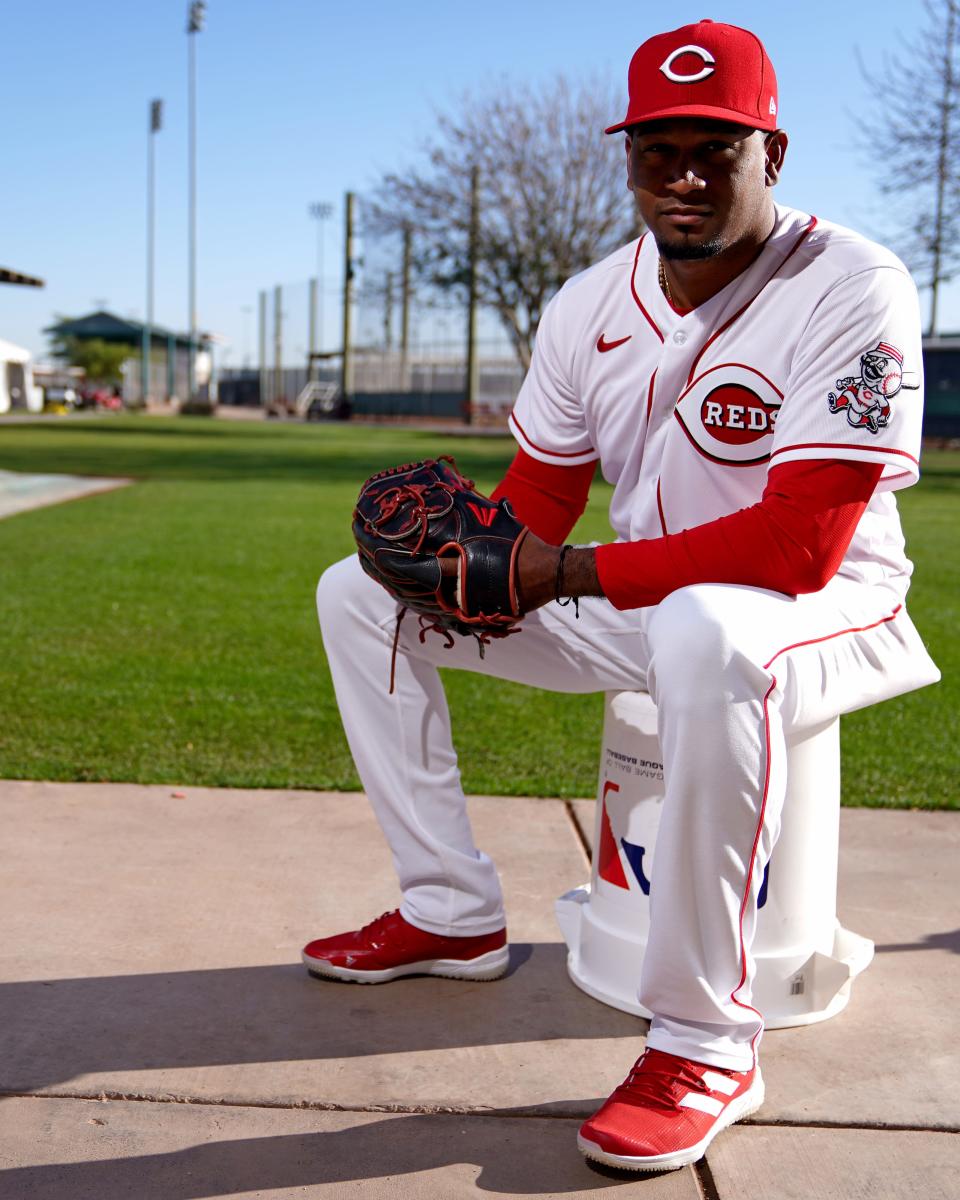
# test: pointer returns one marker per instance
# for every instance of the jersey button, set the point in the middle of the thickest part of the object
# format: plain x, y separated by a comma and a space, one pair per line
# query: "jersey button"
680, 337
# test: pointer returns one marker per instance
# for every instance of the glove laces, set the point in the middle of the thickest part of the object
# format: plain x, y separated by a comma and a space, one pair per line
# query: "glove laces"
429, 624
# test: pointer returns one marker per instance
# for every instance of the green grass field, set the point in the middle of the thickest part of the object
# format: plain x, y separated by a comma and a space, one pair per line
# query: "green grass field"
166, 632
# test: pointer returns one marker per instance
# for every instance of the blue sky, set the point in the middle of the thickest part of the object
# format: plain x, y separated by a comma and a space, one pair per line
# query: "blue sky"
300, 100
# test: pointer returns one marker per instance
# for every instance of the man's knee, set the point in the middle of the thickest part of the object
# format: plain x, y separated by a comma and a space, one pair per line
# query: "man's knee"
695, 648
691, 623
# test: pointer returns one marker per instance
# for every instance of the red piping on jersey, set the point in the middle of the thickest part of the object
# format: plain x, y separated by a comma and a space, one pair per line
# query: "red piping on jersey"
846, 446
681, 312
653, 378
553, 453
748, 888
663, 524
840, 633
766, 791
633, 289
737, 315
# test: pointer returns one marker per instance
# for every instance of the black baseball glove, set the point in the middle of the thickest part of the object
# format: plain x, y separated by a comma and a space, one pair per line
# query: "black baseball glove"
410, 519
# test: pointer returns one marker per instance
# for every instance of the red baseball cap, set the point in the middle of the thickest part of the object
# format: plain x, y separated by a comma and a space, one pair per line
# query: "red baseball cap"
704, 70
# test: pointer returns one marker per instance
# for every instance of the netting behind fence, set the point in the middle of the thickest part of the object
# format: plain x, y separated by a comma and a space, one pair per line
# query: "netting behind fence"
408, 349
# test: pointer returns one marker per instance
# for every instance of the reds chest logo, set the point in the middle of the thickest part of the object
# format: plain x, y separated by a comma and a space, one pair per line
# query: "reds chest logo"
729, 414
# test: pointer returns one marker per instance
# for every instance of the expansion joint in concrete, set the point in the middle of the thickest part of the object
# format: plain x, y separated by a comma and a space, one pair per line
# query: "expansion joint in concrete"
457, 1110
874, 1126
578, 830
293, 1105
705, 1182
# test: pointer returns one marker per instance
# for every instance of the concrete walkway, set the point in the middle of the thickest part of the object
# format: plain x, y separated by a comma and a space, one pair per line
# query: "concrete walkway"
20, 492
160, 1041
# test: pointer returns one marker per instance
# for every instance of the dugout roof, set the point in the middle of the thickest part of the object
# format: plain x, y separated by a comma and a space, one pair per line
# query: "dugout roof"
110, 328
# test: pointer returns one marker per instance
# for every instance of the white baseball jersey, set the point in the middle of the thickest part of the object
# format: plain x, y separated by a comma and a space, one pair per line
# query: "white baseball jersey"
813, 352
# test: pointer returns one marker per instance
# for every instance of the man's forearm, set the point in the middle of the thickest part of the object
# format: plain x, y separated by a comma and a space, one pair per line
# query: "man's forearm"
539, 576
792, 541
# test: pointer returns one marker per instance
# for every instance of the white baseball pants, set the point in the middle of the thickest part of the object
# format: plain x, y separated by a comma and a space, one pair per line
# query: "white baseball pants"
730, 669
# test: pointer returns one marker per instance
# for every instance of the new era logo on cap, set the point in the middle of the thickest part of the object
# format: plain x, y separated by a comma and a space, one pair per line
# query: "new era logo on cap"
710, 70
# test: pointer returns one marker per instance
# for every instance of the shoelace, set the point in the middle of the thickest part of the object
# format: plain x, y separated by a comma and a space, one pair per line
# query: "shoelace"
373, 929
661, 1084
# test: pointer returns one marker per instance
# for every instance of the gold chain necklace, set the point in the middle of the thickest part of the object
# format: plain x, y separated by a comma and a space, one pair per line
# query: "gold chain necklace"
662, 278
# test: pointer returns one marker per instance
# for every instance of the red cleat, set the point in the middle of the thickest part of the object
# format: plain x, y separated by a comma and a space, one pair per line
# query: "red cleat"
390, 947
667, 1112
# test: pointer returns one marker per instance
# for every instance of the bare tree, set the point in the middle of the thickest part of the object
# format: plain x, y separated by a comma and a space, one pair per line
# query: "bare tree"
553, 197
912, 144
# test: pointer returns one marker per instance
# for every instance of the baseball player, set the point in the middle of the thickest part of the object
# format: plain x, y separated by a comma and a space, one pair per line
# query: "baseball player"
717, 372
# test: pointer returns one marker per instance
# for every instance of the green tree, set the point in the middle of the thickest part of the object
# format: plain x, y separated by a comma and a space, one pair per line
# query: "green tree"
911, 145
553, 197
102, 361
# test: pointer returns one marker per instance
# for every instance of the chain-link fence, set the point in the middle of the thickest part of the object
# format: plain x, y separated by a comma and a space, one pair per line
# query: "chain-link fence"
407, 352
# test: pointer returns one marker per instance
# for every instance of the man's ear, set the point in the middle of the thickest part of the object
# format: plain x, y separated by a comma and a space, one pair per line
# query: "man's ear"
775, 148
627, 145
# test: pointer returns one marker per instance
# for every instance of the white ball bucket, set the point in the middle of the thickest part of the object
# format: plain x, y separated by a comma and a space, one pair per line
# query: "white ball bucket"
805, 959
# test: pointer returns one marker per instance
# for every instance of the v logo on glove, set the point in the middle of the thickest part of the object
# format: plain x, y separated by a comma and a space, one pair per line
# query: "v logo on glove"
485, 516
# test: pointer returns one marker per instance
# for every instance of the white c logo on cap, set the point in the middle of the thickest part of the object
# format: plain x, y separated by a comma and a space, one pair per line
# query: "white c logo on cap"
708, 60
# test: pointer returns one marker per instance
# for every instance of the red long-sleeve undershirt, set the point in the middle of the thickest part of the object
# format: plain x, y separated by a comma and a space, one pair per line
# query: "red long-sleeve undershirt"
792, 541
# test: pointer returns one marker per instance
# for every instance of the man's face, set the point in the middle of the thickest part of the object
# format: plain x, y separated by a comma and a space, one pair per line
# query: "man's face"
702, 186
874, 368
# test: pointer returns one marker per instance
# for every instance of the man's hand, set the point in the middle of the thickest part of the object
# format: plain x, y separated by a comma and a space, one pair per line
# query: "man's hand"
537, 572
440, 548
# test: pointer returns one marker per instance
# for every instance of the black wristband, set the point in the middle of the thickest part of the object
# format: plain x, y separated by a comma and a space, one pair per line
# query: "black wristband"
558, 585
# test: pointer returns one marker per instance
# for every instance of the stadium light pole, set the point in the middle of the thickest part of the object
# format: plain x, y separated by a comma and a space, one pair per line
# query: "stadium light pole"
320, 212
156, 123
346, 366
246, 310
195, 17
473, 362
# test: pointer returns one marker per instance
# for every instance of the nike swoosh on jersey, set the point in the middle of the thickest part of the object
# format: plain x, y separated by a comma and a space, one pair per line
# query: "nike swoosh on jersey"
603, 346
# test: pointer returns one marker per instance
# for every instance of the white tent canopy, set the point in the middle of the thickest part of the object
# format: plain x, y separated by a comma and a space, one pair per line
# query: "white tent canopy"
11, 353
16, 379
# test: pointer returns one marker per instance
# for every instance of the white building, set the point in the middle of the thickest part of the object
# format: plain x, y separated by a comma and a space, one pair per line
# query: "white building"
17, 389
